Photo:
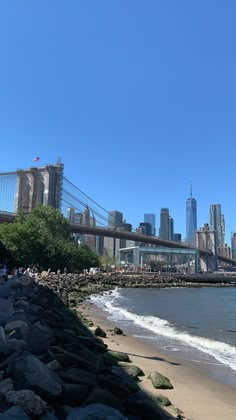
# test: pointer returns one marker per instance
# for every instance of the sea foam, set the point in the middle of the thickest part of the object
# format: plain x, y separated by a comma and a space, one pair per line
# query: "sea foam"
222, 352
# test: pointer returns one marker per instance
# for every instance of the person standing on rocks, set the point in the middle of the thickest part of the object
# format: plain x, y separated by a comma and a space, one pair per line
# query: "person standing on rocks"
4, 272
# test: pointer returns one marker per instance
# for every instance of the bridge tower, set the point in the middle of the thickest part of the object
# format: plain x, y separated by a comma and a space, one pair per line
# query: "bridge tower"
36, 186
206, 239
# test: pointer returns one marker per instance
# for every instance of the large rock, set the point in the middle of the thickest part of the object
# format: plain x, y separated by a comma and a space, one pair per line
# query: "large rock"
98, 331
114, 385
14, 413
159, 381
6, 385
74, 394
122, 357
6, 309
126, 379
144, 407
16, 329
39, 338
118, 331
77, 376
31, 403
68, 358
162, 399
96, 412
132, 370
30, 373
2, 337
13, 345
48, 416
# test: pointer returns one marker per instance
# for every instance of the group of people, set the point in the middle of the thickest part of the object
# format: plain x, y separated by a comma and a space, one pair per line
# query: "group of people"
22, 270
3, 273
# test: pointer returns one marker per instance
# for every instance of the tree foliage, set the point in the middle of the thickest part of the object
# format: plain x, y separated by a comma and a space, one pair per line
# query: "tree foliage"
42, 238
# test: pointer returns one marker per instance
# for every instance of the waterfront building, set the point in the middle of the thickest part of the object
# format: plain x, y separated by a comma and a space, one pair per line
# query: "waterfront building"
191, 219
217, 223
151, 218
164, 224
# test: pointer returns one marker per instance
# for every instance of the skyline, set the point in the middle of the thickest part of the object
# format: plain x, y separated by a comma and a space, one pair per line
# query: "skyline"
137, 99
191, 208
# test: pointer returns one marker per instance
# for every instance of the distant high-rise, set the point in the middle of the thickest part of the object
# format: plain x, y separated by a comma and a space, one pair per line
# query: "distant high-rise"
86, 216
111, 245
145, 229
177, 237
164, 223
151, 218
233, 244
171, 228
115, 218
223, 229
191, 218
71, 214
217, 223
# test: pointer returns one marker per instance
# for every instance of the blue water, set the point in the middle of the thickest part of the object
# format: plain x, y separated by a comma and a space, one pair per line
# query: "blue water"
194, 324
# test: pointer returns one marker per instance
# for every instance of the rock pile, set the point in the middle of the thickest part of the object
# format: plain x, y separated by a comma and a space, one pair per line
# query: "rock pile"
53, 367
85, 284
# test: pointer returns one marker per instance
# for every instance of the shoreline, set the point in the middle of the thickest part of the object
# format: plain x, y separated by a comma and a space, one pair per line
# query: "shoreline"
199, 396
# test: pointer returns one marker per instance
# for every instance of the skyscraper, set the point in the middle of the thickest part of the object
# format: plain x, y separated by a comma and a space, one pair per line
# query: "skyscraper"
151, 218
191, 218
111, 245
217, 223
171, 228
164, 223
115, 218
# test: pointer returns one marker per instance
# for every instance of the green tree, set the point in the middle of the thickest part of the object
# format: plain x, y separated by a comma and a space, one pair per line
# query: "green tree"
42, 238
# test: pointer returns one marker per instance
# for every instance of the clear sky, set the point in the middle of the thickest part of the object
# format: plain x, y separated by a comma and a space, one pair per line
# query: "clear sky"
137, 97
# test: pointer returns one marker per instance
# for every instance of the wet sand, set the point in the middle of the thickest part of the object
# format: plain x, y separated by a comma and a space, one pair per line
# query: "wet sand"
195, 393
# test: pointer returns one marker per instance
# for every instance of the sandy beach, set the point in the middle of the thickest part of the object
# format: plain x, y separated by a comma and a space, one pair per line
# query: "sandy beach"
196, 394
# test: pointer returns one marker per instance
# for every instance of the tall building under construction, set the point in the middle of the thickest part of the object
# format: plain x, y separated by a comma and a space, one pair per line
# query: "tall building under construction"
42, 185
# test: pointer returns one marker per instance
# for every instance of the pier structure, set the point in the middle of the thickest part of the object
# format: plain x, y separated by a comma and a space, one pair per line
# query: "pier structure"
139, 255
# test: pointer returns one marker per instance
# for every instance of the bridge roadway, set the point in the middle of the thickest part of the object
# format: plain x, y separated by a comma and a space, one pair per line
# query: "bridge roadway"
122, 234
8, 217
153, 240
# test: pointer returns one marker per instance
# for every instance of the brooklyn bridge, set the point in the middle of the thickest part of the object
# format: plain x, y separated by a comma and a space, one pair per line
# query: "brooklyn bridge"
24, 189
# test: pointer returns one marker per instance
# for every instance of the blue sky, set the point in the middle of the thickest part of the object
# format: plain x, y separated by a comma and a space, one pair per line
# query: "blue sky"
137, 97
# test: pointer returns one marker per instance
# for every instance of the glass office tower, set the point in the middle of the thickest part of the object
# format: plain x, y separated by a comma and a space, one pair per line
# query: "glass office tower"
217, 223
191, 219
164, 223
151, 218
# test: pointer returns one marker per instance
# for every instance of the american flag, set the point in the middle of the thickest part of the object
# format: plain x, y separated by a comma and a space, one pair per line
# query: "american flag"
36, 159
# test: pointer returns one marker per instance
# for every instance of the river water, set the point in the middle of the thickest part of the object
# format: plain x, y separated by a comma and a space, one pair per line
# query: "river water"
197, 325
